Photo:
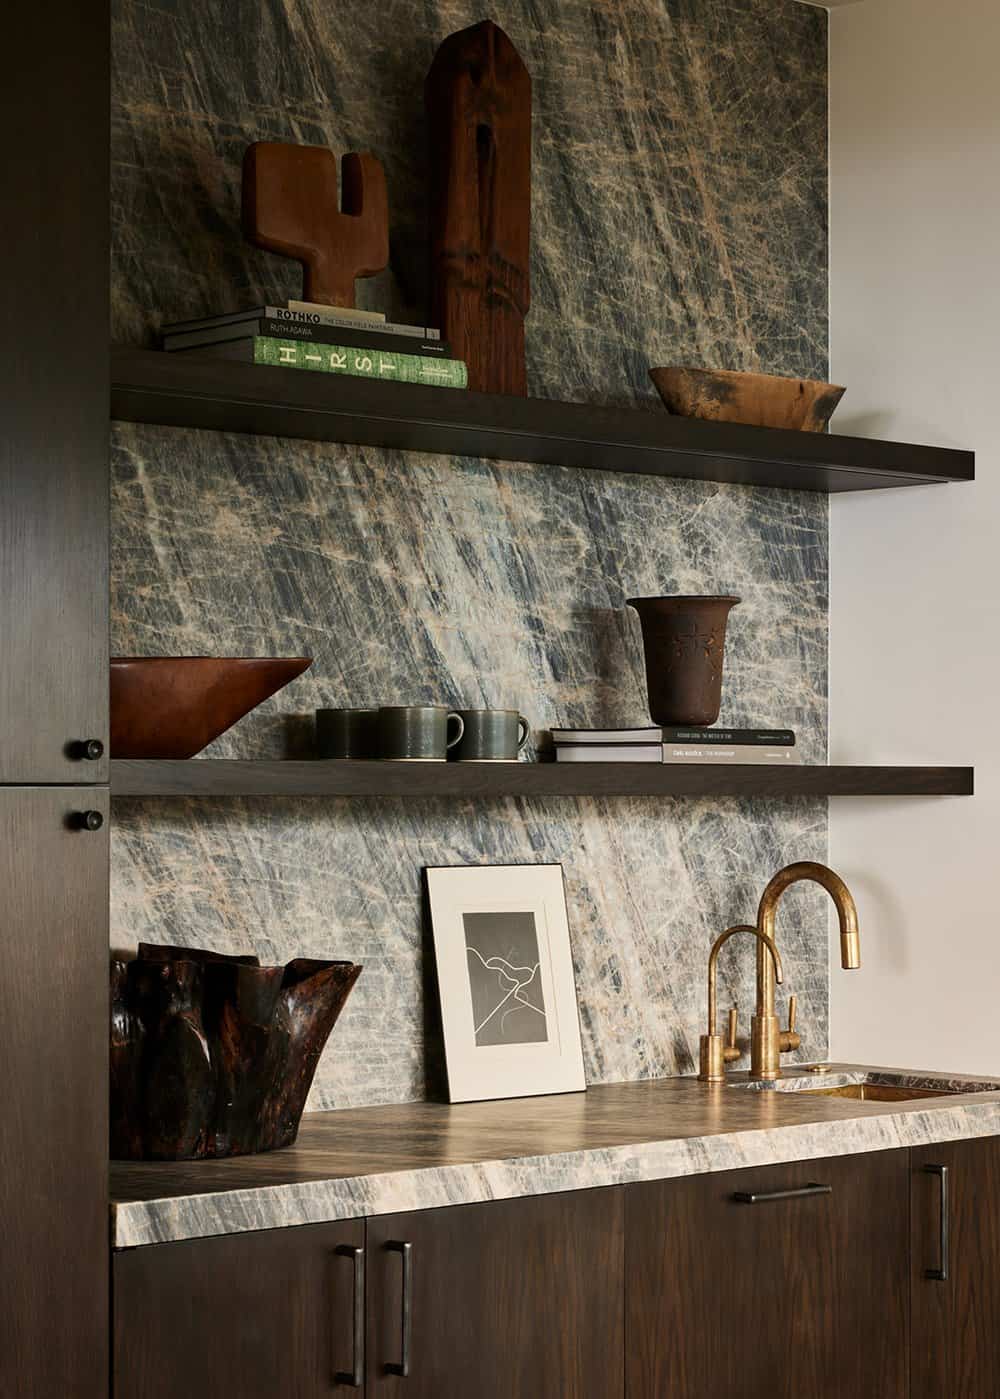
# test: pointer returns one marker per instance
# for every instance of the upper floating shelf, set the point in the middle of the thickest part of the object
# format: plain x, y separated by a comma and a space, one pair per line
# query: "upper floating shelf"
221, 777
185, 390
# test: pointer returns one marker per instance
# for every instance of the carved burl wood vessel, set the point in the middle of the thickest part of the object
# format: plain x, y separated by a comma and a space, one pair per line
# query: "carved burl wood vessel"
684, 640
478, 99
214, 1056
760, 400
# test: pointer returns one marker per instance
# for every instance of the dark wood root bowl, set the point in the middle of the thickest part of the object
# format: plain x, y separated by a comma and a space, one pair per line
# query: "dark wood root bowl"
759, 400
214, 1056
174, 706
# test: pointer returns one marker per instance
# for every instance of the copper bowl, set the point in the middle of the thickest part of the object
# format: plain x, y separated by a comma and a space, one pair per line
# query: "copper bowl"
760, 400
174, 706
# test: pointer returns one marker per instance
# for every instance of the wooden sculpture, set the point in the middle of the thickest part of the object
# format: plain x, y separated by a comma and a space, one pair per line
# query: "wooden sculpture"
290, 207
478, 98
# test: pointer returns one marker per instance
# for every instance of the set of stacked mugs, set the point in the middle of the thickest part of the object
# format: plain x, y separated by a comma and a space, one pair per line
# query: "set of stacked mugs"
421, 733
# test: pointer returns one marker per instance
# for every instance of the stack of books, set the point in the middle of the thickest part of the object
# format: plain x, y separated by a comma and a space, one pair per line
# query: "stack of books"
675, 745
328, 339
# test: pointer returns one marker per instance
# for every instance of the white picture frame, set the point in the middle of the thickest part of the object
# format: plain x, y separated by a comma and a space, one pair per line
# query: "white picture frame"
505, 977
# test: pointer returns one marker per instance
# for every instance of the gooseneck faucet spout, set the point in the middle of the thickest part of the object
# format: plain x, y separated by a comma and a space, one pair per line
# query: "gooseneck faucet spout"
767, 1040
715, 1054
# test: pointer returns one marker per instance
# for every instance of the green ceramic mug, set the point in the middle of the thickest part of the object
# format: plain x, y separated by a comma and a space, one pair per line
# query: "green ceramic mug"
347, 733
491, 736
418, 733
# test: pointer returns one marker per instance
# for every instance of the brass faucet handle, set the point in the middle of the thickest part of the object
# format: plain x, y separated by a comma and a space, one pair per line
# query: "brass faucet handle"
789, 1039
732, 1051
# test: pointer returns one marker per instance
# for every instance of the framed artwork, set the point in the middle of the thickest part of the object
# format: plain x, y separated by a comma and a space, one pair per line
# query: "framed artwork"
505, 976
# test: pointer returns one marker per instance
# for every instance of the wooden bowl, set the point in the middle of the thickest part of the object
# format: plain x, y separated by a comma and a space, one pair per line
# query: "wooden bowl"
174, 706
760, 400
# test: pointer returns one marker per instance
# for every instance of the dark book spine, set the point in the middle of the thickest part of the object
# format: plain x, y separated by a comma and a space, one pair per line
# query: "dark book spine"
764, 738
357, 339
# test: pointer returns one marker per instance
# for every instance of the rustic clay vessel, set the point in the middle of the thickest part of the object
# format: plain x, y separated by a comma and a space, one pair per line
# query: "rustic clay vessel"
761, 400
684, 640
174, 706
214, 1056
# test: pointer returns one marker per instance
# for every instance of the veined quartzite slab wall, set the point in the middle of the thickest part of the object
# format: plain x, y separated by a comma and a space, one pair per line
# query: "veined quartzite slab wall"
679, 217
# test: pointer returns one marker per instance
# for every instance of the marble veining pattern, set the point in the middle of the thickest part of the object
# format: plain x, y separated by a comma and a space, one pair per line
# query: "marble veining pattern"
679, 216
825, 1127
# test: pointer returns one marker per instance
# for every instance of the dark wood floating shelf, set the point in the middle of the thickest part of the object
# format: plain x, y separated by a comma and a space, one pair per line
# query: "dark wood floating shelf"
187, 390
232, 778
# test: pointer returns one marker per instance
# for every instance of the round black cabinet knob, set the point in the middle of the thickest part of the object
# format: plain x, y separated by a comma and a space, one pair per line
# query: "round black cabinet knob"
90, 820
86, 750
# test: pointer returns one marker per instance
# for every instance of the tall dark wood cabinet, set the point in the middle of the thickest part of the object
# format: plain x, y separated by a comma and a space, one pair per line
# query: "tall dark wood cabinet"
54, 221
514, 1299
955, 1270
783, 1281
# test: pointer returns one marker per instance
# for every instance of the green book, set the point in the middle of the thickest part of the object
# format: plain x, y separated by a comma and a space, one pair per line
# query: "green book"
349, 359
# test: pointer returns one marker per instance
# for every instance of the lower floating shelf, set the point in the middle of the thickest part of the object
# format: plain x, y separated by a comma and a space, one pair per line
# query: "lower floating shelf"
210, 777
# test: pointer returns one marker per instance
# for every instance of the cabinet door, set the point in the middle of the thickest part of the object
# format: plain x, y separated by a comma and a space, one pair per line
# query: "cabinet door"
55, 213
254, 1316
515, 1299
788, 1296
54, 1123
955, 1202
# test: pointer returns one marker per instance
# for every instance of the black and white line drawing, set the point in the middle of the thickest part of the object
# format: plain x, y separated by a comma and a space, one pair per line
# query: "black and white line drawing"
505, 978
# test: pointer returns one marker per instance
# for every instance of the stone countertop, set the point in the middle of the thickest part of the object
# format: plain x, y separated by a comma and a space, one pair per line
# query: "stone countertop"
373, 1161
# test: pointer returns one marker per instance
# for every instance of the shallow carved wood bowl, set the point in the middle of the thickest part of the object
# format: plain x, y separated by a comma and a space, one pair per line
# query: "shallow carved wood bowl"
760, 400
214, 1056
174, 706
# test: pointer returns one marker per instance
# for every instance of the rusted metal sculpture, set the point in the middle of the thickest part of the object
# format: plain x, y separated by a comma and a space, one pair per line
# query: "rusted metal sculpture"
212, 1055
478, 98
290, 207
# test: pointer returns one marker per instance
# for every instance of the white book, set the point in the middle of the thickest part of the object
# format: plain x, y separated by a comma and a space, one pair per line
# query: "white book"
607, 736
314, 308
313, 314
611, 753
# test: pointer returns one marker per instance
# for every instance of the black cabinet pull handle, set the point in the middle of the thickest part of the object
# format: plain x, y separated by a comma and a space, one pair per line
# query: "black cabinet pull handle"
406, 1251
87, 821
86, 750
745, 1197
355, 1377
940, 1274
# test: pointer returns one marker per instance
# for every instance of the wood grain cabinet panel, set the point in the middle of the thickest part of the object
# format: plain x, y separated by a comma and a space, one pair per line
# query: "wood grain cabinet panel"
266, 1315
783, 1298
55, 217
515, 1299
54, 1123
956, 1231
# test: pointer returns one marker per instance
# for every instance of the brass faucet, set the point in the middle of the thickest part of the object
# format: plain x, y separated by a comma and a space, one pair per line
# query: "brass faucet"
716, 1054
767, 1039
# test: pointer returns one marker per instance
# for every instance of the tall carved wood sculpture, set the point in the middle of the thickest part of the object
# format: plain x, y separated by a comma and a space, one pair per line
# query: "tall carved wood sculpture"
478, 98
290, 207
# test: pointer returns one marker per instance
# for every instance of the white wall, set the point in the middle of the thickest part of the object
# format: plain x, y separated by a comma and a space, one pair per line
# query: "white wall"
915, 640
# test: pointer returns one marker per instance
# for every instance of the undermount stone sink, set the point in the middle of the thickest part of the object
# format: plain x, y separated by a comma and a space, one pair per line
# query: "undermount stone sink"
871, 1086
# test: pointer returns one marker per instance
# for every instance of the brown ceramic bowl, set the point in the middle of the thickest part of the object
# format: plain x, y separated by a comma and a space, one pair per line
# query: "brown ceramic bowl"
761, 400
174, 706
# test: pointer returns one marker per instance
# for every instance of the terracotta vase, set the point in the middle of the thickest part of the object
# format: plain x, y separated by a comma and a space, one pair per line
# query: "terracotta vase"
684, 640
214, 1056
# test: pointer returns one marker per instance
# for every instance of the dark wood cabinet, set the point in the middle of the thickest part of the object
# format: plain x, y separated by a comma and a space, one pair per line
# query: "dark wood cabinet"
254, 1316
54, 1132
515, 1299
955, 1270
757, 1283
54, 209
